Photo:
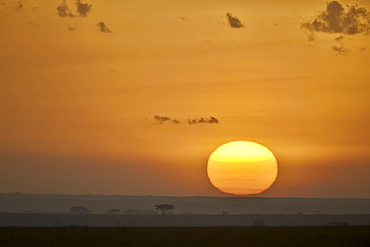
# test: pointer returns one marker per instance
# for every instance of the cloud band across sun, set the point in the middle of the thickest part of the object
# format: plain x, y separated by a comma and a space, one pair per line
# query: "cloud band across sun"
190, 121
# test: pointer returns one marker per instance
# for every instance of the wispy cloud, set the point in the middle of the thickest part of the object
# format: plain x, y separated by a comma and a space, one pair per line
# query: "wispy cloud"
234, 21
13, 7
19, 5
340, 47
103, 28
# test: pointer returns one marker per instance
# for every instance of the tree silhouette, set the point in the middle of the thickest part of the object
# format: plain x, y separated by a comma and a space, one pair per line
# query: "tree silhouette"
164, 208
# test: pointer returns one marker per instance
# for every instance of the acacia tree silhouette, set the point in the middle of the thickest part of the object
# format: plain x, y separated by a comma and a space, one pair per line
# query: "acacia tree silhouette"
164, 208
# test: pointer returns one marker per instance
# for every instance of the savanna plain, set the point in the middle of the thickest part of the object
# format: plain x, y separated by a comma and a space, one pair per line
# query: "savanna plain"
186, 236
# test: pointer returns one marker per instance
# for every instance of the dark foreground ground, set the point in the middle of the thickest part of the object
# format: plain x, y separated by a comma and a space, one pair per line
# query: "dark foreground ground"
187, 236
179, 220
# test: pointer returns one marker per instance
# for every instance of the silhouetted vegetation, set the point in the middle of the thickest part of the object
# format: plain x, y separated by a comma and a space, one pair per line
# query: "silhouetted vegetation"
80, 210
164, 208
186, 236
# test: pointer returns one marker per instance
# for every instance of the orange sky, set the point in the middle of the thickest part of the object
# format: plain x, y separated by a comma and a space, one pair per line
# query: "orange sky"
78, 99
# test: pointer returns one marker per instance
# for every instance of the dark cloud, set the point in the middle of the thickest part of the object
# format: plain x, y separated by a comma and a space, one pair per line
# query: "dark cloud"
83, 8
346, 20
175, 121
63, 10
339, 39
162, 119
200, 120
103, 28
337, 18
234, 21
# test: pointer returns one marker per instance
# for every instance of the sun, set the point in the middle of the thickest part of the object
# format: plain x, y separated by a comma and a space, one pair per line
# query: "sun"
242, 168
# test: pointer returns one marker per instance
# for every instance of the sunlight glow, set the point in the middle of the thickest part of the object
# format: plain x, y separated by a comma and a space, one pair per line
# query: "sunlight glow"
242, 168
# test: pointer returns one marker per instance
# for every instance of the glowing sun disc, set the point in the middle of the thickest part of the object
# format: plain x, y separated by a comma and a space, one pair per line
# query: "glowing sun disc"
242, 168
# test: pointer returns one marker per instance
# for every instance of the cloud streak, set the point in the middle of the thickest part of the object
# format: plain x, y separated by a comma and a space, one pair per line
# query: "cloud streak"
234, 21
200, 120
162, 119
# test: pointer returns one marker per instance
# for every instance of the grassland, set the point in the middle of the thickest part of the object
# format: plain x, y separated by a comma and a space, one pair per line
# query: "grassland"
186, 236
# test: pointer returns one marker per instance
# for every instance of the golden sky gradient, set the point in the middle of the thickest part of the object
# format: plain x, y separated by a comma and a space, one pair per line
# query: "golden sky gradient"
79, 95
